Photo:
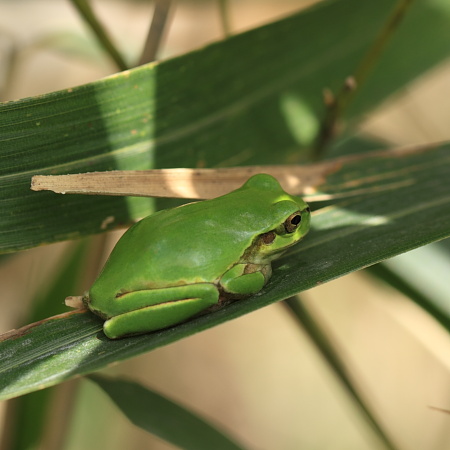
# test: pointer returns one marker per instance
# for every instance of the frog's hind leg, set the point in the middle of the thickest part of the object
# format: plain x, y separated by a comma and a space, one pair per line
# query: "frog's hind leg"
181, 303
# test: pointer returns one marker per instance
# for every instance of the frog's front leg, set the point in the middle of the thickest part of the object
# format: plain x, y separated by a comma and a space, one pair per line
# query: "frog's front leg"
245, 279
154, 309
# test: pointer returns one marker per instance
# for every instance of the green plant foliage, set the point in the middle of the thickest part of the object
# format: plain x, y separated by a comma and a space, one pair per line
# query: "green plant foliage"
421, 275
31, 411
382, 205
162, 417
254, 98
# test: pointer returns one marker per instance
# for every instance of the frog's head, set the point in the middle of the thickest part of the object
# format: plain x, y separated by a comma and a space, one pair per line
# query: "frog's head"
287, 220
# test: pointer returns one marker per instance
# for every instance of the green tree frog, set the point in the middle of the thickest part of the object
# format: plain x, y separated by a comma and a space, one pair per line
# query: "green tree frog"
180, 262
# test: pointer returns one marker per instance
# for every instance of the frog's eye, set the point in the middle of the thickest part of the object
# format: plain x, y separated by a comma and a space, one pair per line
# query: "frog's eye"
292, 222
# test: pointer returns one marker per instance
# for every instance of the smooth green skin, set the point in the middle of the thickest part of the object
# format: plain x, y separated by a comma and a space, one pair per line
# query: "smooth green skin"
179, 262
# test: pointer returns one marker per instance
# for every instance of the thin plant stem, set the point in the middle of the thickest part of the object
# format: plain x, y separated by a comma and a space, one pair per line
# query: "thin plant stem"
86, 12
156, 31
224, 13
336, 106
330, 354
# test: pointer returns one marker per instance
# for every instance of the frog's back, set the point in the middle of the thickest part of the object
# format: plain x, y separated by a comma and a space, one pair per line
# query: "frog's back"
195, 243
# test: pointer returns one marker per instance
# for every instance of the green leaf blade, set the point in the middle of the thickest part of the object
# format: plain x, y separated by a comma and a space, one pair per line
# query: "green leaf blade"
383, 205
162, 417
235, 101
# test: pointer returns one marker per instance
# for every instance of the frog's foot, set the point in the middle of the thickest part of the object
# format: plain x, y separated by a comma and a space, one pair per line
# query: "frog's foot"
166, 307
245, 279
